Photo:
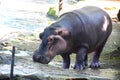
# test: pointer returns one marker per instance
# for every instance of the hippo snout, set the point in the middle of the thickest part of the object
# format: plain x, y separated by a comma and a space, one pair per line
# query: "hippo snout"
40, 58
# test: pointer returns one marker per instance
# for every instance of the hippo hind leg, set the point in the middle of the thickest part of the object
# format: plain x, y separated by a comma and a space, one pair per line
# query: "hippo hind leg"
86, 59
96, 55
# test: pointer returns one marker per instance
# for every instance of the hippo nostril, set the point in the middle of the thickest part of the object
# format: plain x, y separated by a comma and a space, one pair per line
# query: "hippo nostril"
39, 57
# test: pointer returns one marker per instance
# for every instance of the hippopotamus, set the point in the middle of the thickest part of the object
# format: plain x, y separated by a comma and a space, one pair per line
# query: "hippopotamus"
80, 31
118, 15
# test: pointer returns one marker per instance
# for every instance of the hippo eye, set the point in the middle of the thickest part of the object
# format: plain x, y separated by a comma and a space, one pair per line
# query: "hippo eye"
50, 39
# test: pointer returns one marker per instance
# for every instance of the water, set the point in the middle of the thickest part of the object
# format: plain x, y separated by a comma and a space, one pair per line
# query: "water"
27, 15
21, 19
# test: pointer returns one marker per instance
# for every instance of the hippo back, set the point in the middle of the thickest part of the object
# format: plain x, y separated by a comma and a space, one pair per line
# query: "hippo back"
93, 28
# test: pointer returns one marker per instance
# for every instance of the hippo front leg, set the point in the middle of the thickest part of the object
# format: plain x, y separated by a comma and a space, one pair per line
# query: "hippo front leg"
81, 59
66, 60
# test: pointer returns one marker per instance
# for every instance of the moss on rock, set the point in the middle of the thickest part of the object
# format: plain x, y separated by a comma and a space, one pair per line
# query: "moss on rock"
52, 13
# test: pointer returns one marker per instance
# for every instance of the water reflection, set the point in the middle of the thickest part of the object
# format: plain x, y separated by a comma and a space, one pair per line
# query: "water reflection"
23, 14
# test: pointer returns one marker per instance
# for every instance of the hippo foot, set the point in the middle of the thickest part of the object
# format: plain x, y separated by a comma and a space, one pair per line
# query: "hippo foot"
86, 63
95, 65
79, 66
65, 66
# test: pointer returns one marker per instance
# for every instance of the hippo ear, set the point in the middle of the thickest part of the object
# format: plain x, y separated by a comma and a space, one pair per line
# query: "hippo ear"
62, 32
40, 35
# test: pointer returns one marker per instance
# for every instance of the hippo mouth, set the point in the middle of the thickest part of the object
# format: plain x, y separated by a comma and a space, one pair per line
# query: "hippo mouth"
42, 59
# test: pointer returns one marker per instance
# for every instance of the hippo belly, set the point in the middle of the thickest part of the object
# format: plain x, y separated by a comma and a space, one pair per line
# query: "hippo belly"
80, 31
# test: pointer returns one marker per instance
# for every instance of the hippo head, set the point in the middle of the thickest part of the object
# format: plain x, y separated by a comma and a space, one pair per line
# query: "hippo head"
54, 42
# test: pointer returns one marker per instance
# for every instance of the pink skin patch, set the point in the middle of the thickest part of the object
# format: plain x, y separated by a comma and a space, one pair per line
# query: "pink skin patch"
105, 24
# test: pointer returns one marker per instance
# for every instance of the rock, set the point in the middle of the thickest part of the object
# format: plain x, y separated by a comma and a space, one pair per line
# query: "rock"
5, 58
